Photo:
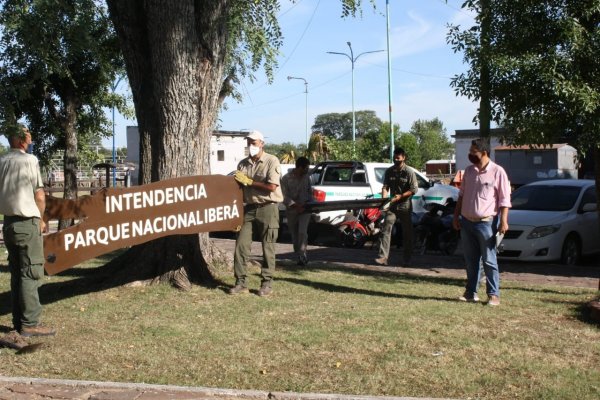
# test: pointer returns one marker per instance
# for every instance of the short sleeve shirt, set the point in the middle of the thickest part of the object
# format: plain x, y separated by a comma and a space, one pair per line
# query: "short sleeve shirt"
20, 178
296, 189
400, 181
266, 170
484, 191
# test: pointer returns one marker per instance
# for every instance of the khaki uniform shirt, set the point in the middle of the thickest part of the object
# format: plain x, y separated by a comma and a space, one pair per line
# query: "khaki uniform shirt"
400, 181
20, 178
265, 170
296, 189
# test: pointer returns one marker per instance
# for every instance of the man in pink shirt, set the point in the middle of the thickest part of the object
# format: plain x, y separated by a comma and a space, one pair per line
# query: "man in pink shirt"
484, 196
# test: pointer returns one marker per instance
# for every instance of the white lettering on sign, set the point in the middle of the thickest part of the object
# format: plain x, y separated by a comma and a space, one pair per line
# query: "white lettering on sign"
154, 198
166, 223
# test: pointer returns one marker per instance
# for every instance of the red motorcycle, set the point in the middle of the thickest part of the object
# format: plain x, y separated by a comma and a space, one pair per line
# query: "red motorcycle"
364, 226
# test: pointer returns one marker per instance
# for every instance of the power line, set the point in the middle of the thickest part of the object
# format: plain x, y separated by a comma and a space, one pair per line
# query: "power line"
285, 61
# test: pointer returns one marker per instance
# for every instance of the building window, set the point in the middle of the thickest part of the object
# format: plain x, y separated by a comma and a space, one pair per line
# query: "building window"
220, 155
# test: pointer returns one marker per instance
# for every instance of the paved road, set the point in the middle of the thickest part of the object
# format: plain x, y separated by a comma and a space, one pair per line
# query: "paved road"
437, 264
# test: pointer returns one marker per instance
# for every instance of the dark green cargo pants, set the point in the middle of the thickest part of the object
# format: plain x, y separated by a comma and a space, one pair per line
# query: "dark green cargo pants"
266, 222
24, 243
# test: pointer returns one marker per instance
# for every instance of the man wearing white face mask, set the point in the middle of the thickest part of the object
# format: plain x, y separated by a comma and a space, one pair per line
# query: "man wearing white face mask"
260, 175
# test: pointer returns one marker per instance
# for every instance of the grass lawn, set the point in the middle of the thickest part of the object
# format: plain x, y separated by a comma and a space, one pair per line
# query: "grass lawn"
325, 329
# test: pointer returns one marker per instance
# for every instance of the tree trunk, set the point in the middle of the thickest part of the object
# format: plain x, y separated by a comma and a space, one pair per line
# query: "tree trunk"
484, 72
70, 161
174, 53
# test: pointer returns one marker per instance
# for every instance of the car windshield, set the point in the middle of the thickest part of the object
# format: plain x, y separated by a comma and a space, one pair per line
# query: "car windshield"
545, 198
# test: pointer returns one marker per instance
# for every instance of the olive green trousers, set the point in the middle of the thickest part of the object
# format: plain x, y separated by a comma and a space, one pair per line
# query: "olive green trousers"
265, 222
24, 243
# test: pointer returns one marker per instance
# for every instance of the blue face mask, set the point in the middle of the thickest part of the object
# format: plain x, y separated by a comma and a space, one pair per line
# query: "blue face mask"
30, 148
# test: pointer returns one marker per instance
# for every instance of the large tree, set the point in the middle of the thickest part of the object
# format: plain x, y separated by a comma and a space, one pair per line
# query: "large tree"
339, 125
183, 59
433, 142
544, 71
58, 60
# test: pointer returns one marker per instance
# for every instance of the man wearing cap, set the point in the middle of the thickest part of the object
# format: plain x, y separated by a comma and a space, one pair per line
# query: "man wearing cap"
259, 174
22, 202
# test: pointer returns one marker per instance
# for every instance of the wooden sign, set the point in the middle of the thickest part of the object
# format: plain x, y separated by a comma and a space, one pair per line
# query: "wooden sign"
116, 218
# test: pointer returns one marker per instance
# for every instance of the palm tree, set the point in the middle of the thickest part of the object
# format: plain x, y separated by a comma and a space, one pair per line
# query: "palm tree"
317, 147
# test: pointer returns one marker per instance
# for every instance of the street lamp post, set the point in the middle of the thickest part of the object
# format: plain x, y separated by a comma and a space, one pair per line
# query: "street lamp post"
114, 149
389, 68
305, 106
352, 61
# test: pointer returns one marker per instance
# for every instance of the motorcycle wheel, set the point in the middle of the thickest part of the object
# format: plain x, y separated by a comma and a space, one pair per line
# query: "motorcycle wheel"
352, 238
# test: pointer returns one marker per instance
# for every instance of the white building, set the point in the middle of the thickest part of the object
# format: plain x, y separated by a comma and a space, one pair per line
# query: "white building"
227, 149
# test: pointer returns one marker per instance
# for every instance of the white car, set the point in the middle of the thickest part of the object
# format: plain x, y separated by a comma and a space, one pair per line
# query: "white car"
552, 220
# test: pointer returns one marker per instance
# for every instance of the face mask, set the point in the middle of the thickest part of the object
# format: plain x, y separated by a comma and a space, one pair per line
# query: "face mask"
474, 159
254, 150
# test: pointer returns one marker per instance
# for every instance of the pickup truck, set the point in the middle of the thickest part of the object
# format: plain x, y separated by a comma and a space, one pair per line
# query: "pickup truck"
352, 180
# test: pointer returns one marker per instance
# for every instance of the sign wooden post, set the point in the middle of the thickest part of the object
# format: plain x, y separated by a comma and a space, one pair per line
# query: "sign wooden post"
116, 218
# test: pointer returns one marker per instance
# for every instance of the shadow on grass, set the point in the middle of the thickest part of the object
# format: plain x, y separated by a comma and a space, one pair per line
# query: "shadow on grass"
334, 288
86, 281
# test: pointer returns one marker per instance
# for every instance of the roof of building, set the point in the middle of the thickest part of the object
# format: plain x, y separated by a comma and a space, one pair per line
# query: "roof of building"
534, 147
474, 133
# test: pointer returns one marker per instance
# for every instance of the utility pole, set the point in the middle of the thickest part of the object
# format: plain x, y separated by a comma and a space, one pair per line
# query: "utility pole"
305, 106
352, 61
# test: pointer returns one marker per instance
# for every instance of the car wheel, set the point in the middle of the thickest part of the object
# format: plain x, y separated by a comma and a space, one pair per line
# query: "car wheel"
571, 251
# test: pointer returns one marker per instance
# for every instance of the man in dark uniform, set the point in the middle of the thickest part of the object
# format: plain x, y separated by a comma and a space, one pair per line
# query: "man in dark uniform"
22, 202
260, 175
400, 183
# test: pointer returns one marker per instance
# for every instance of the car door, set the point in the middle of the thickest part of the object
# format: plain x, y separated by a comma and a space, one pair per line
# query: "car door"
588, 223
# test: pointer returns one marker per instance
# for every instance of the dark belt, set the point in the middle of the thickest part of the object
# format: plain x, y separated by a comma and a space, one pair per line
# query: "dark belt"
16, 218
250, 207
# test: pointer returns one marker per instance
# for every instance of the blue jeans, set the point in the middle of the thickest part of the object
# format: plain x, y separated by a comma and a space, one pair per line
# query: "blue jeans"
479, 248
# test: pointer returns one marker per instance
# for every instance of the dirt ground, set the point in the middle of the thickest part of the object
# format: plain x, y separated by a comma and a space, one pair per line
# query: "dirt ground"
434, 264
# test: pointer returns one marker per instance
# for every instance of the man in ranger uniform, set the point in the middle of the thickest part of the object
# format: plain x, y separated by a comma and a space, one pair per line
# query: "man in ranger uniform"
260, 175
400, 183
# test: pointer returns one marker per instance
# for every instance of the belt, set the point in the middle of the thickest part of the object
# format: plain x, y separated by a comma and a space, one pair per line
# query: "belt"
254, 206
16, 218
483, 219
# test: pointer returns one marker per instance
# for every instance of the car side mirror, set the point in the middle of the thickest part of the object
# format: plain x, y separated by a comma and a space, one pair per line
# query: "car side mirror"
587, 207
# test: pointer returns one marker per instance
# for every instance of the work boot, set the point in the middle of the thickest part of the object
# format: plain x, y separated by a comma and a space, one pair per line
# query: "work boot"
302, 261
37, 330
381, 261
238, 289
13, 340
265, 289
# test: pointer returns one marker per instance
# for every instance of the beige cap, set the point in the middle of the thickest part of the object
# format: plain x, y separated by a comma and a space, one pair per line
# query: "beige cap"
255, 135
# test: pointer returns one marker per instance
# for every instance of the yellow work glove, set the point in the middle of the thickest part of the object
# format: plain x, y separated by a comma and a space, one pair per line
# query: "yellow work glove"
243, 178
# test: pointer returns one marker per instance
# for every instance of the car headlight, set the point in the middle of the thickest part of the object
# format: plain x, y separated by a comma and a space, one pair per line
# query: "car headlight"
542, 231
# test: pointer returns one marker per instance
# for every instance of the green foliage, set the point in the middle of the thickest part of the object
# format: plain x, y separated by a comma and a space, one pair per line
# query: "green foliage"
544, 69
410, 144
287, 152
58, 61
433, 144
339, 125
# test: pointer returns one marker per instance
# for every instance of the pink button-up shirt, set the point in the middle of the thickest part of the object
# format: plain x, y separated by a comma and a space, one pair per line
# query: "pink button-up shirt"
484, 191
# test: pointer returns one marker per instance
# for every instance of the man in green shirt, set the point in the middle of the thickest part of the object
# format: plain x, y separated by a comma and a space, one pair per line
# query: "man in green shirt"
23, 201
400, 184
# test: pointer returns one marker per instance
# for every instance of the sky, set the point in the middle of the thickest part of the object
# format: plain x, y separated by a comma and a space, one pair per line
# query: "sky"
422, 66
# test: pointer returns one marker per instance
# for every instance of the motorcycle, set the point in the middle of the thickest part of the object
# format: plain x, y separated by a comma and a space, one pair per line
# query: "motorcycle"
364, 225
434, 231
